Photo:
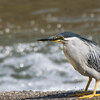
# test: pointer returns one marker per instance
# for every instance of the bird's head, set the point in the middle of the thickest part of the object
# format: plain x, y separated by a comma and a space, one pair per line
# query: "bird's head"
61, 37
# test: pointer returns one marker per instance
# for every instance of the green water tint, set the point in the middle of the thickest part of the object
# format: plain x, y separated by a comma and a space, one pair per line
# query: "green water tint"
33, 18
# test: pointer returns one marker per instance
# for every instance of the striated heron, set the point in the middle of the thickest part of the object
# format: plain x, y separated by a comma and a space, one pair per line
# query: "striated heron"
83, 54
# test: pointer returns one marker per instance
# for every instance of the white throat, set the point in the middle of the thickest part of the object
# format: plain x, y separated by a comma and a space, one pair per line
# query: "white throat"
70, 38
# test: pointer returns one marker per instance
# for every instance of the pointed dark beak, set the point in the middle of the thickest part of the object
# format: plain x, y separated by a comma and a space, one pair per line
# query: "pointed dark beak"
53, 38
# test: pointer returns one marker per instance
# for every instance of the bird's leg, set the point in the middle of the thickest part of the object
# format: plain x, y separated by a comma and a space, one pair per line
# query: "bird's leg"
94, 93
85, 92
90, 79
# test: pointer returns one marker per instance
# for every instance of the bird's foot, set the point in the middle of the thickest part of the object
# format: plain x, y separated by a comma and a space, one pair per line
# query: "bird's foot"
89, 96
86, 96
97, 95
81, 94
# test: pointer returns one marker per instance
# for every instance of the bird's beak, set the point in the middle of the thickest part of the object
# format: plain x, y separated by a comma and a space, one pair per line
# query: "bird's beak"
53, 38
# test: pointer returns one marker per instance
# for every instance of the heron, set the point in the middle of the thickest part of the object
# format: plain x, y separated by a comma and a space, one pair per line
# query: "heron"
83, 54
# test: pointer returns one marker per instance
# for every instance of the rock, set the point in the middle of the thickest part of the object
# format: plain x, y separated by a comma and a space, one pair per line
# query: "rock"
36, 95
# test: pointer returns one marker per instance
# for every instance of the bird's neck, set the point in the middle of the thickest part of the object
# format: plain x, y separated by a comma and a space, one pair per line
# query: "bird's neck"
74, 50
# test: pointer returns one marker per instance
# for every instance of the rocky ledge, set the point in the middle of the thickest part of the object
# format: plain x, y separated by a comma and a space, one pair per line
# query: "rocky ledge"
36, 95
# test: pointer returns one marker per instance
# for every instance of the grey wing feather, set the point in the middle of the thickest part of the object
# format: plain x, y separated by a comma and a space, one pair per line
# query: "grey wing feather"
94, 58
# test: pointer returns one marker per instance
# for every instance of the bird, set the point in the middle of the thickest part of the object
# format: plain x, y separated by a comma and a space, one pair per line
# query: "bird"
83, 54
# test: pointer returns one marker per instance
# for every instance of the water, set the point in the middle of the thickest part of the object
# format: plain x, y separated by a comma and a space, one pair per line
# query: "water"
26, 64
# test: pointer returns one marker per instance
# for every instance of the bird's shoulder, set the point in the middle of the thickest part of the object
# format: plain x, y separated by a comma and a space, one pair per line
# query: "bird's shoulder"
87, 40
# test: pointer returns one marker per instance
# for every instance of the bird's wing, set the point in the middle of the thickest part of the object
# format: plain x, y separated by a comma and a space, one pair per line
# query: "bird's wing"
94, 58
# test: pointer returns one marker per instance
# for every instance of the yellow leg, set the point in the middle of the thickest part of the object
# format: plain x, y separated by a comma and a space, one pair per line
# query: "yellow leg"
85, 92
90, 79
94, 93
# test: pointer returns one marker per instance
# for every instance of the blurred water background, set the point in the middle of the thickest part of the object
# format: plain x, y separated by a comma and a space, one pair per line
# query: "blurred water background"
26, 64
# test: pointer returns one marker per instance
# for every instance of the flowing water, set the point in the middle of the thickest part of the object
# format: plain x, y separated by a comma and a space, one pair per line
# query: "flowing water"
26, 64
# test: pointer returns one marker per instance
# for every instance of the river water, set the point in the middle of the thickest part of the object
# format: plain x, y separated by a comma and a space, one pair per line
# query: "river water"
26, 64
